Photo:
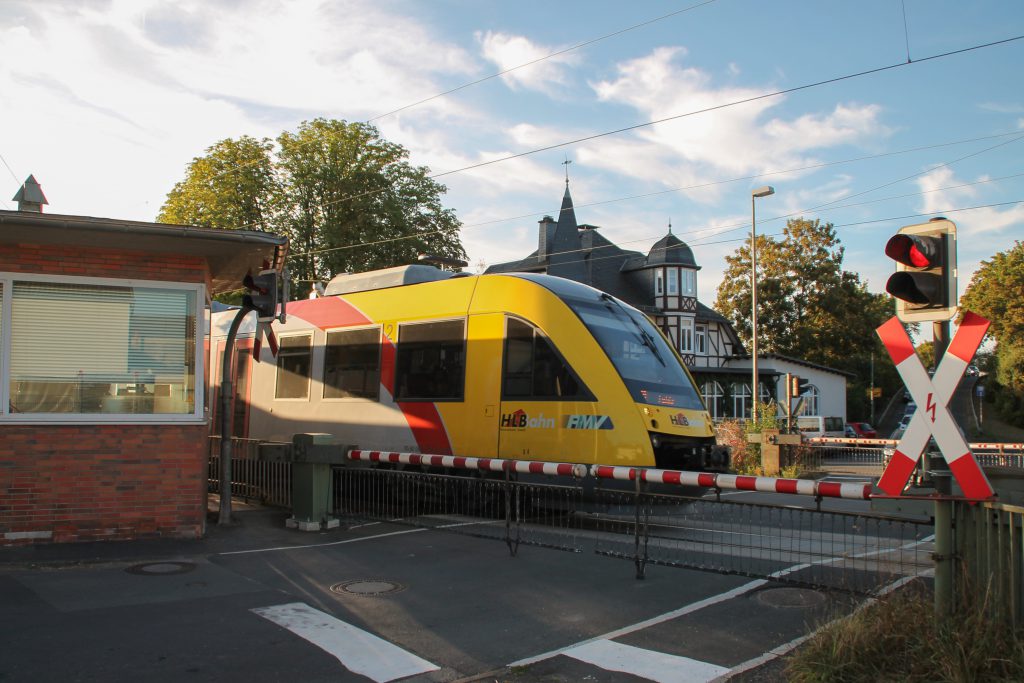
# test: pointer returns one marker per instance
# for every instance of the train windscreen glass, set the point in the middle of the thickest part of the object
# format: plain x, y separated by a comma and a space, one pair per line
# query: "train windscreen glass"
648, 366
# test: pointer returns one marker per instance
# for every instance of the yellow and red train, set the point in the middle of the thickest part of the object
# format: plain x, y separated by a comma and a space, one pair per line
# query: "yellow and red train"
519, 366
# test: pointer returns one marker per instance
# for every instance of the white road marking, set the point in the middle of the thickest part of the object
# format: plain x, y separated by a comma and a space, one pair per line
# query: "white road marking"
653, 621
654, 666
357, 650
323, 545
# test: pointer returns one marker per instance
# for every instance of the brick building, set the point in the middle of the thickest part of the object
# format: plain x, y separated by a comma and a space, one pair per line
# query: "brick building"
103, 418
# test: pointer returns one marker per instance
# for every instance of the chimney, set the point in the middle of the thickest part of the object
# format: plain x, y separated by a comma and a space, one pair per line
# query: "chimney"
30, 197
546, 233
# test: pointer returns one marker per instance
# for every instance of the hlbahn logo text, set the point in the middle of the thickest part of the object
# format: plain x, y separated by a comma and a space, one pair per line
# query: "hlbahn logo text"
520, 420
587, 422
679, 420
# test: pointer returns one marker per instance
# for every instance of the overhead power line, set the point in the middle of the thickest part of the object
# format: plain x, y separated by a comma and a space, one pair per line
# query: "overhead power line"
705, 110
718, 107
577, 46
1016, 134
531, 62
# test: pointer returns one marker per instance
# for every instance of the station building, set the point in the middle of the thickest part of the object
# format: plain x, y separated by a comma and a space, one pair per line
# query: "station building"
663, 284
103, 375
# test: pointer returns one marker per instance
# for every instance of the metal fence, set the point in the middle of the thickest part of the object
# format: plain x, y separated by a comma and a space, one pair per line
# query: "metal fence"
268, 482
989, 542
853, 552
870, 456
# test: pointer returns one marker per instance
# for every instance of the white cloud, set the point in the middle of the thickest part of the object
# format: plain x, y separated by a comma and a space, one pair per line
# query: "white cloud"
128, 92
548, 76
735, 139
941, 195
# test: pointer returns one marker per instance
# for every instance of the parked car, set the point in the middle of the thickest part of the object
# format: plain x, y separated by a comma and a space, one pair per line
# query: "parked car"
817, 425
862, 430
904, 423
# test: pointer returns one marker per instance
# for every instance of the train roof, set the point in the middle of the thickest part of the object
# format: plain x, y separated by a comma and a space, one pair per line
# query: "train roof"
347, 283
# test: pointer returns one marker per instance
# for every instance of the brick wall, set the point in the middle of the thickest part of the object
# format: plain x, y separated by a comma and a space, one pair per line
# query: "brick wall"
90, 262
62, 483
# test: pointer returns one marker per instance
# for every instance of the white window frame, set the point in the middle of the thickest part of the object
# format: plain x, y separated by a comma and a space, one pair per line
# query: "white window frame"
689, 282
686, 335
700, 340
812, 397
197, 416
673, 281
741, 392
711, 391
659, 280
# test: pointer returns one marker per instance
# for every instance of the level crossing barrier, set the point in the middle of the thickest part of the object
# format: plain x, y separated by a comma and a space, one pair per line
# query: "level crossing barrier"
614, 512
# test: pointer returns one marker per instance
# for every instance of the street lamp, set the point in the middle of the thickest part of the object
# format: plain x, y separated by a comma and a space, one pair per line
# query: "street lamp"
759, 192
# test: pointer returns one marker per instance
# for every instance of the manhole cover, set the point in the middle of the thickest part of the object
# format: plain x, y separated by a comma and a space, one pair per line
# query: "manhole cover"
789, 597
161, 568
368, 587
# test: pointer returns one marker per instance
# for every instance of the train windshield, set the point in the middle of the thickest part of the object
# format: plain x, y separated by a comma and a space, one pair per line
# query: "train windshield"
651, 371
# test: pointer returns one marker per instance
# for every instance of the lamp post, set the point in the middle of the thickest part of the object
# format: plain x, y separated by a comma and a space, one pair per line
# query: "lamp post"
759, 192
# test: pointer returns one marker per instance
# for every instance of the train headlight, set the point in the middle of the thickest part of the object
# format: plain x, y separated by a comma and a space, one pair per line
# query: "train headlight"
655, 441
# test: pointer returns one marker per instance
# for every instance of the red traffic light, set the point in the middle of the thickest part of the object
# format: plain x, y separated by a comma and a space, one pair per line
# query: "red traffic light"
924, 284
916, 251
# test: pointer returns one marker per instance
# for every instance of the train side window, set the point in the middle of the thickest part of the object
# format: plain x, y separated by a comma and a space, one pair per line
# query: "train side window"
430, 363
352, 364
294, 365
535, 370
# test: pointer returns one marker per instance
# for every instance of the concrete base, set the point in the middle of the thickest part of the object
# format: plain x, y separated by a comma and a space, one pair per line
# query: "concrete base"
311, 525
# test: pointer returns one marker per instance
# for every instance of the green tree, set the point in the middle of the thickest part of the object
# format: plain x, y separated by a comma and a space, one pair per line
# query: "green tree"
347, 199
233, 186
997, 292
352, 202
810, 308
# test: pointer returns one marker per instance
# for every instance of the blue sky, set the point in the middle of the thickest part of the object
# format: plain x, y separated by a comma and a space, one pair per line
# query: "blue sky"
107, 102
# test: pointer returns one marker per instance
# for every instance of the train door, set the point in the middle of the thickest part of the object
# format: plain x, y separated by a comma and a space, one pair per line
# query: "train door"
241, 383
547, 413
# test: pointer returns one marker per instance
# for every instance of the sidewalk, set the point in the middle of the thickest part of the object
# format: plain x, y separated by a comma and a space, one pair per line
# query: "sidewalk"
251, 526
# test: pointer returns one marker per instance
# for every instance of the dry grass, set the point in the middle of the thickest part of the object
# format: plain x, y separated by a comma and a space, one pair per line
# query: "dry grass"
899, 639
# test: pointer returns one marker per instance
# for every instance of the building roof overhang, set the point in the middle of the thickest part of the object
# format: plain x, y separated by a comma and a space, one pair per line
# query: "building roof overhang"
230, 254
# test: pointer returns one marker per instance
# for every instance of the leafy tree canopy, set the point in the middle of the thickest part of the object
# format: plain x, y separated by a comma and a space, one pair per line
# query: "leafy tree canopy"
809, 307
233, 186
997, 293
347, 199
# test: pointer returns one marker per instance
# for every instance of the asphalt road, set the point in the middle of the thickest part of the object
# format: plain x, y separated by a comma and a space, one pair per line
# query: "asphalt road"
257, 602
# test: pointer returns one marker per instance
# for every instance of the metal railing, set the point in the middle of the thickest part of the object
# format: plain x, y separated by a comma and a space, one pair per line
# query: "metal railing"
268, 482
853, 552
989, 542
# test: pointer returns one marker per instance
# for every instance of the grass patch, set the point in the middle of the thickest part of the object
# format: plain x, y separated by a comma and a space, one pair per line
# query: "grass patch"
898, 639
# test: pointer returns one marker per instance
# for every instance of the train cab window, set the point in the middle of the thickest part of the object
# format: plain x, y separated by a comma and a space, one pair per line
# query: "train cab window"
534, 370
431, 361
352, 364
294, 364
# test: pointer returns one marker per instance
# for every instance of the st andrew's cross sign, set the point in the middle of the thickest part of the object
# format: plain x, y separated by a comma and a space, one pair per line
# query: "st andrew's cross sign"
932, 418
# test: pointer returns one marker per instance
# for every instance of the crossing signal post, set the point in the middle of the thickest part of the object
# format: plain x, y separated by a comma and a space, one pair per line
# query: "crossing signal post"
795, 388
924, 284
266, 293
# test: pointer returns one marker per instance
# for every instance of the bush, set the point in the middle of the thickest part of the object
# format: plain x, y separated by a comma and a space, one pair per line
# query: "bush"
746, 457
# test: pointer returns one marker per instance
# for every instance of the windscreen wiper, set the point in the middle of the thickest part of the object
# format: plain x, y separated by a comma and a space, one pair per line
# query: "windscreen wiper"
641, 333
